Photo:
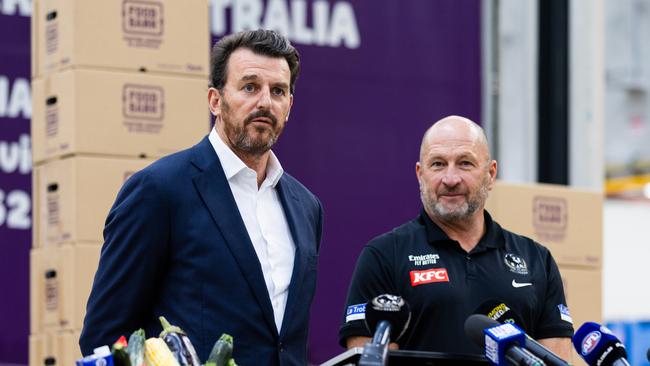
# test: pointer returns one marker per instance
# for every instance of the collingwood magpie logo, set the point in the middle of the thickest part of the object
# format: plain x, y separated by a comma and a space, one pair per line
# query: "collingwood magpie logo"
515, 264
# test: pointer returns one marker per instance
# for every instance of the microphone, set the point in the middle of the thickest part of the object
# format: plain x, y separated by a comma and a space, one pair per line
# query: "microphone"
391, 309
647, 354
502, 342
597, 345
502, 313
388, 317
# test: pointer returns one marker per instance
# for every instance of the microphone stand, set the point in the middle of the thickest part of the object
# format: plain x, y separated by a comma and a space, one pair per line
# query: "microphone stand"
375, 353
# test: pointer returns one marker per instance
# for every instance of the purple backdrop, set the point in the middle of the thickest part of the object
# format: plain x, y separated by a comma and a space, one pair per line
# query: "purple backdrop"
375, 75
354, 134
15, 181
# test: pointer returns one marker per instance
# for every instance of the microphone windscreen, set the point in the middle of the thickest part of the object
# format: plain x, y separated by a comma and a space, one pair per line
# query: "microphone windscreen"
474, 326
501, 312
392, 308
597, 345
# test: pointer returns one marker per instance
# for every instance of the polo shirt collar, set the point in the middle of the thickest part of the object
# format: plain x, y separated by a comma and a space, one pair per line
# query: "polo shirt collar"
493, 237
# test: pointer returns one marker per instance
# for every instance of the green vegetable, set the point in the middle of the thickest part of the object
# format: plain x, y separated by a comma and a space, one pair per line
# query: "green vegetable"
221, 351
135, 348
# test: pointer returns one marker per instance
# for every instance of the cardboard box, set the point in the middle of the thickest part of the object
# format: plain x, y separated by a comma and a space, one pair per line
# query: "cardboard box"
115, 113
60, 282
583, 291
72, 197
54, 348
153, 35
565, 220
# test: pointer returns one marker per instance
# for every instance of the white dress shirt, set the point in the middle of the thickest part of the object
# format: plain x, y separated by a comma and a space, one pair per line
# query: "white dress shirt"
264, 219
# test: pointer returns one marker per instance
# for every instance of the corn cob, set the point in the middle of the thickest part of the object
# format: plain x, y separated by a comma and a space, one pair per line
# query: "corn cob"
156, 353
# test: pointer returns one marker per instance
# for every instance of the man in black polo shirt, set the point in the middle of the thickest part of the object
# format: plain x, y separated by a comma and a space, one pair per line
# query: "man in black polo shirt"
453, 257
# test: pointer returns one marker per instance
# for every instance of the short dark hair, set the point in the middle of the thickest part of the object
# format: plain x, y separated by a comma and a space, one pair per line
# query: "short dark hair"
262, 42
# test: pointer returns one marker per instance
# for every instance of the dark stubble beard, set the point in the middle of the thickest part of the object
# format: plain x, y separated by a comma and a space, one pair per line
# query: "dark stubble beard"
459, 214
241, 139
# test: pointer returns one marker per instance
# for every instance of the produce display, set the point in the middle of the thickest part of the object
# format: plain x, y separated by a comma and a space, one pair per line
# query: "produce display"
172, 348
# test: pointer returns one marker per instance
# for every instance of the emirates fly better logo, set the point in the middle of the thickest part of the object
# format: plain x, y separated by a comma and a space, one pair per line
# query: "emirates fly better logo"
429, 276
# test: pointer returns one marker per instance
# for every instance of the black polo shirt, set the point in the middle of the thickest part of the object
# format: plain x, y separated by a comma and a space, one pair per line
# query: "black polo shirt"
444, 284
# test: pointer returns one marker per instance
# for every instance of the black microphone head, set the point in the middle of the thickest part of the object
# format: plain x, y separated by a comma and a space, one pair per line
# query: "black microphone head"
391, 308
647, 354
474, 326
501, 312
597, 345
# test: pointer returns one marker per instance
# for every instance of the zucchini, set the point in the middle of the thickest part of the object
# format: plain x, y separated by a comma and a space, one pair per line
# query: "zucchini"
221, 351
135, 348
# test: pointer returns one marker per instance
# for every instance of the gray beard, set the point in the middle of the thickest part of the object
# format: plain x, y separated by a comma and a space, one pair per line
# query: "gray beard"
243, 142
458, 214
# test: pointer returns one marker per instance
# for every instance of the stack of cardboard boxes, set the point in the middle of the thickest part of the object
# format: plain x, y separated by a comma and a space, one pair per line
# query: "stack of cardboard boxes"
116, 84
569, 223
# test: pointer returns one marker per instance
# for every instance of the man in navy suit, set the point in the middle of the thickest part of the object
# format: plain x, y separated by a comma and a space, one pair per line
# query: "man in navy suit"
217, 238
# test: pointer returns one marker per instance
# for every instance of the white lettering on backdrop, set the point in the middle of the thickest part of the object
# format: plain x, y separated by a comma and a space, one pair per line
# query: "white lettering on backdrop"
16, 7
16, 98
332, 29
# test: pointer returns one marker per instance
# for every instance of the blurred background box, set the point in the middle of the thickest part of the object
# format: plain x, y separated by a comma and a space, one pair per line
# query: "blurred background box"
58, 348
116, 113
72, 197
567, 221
60, 282
153, 35
583, 291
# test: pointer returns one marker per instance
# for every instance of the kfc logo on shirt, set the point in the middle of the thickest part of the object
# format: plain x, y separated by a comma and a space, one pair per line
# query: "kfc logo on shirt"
429, 276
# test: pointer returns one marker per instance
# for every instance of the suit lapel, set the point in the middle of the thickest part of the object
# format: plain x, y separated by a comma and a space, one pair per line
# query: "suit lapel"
295, 216
213, 187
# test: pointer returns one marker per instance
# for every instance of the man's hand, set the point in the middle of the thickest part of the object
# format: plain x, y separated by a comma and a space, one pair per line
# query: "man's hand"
559, 346
352, 342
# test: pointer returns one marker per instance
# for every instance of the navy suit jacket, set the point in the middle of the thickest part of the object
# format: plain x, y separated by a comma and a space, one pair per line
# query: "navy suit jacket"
176, 245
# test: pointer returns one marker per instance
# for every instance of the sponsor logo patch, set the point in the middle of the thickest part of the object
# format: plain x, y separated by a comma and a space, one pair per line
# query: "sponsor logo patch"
498, 311
355, 312
429, 276
425, 259
515, 263
564, 313
516, 284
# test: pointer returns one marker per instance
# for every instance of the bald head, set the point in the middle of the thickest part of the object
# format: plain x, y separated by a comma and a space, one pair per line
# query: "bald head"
454, 130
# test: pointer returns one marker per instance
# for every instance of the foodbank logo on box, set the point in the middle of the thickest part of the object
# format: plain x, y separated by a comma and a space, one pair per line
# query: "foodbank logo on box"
142, 23
550, 217
143, 108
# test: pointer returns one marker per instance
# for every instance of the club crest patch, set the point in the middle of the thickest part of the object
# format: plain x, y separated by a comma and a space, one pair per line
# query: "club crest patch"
515, 263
